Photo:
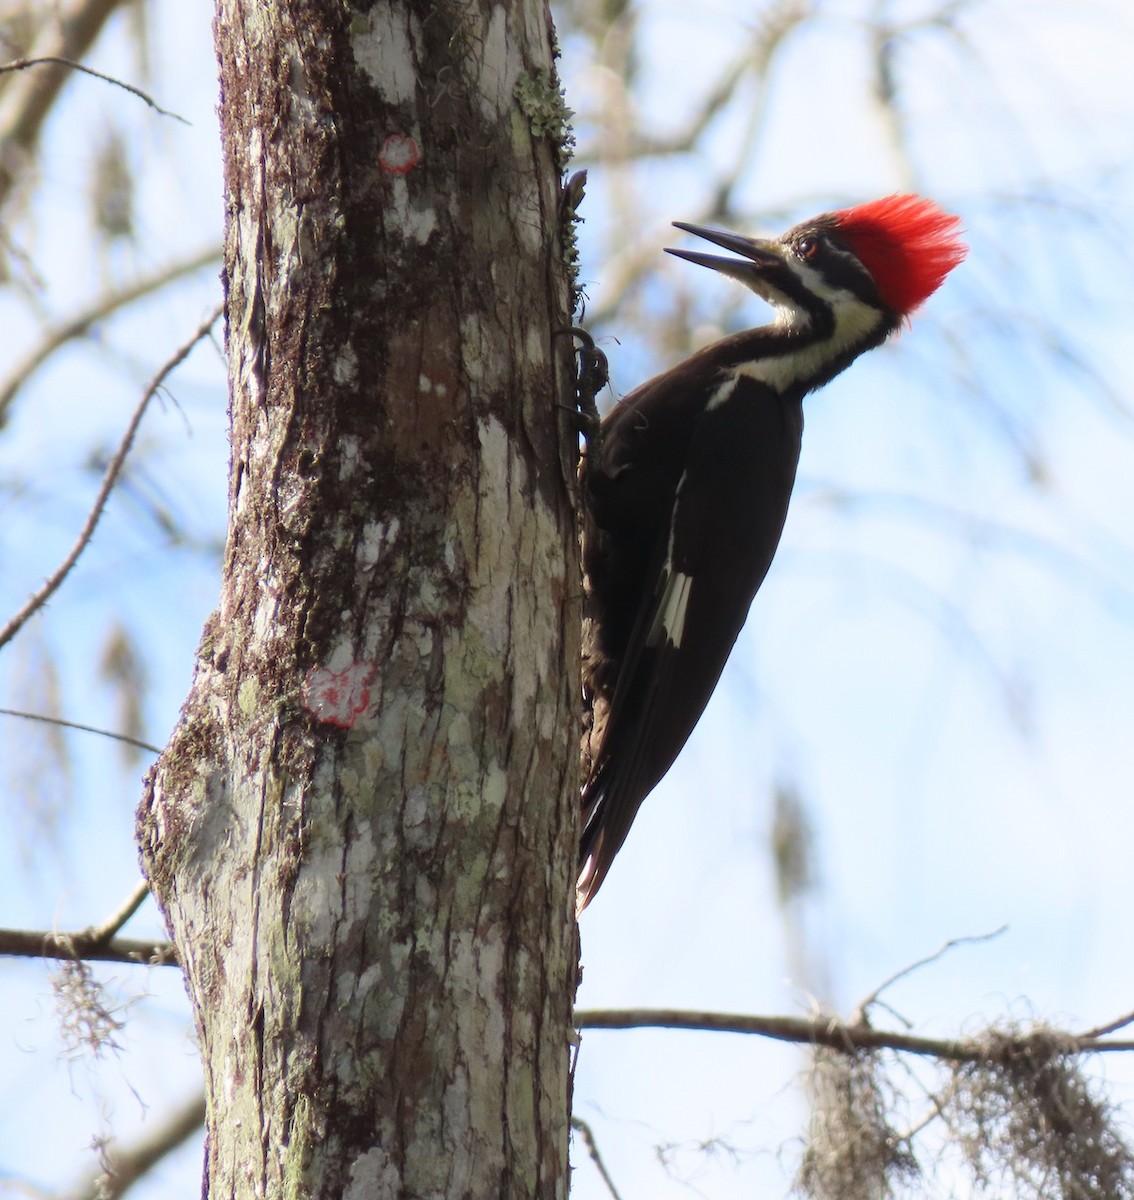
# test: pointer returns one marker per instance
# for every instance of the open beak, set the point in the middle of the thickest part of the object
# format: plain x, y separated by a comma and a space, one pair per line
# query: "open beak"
759, 255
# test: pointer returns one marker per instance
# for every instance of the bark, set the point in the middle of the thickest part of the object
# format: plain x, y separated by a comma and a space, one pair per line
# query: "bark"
362, 832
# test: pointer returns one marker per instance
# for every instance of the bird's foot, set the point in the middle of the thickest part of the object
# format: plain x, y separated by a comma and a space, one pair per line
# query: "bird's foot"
591, 376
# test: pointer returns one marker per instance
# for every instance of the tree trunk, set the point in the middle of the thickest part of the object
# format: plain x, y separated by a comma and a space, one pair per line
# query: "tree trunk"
362, 832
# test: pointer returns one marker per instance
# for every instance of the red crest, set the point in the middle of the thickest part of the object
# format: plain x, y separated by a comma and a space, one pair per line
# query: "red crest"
907, 243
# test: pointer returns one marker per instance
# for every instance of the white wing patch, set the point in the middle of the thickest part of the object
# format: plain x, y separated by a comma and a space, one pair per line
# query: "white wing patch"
672, 611
674, 603
719, 396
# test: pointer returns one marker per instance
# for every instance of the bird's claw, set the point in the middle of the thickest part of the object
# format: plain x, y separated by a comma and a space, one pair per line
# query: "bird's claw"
591, 376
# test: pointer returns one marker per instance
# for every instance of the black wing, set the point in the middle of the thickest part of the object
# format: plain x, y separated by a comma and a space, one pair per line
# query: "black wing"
686, 515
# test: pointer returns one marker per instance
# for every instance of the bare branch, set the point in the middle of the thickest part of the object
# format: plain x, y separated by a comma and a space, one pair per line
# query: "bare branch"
45, 60
96, 943
125, 1165
105, 932
587, 1134
27, 99
864, 1005
1110, 1027
33, 943
114, 467
847, 1037
108, 733
752, 63
77, 325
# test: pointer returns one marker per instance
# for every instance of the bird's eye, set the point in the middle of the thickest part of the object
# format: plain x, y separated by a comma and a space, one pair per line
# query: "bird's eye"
807, 247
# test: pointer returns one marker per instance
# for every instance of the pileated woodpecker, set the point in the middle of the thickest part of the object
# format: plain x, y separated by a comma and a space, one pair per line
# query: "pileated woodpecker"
688, 482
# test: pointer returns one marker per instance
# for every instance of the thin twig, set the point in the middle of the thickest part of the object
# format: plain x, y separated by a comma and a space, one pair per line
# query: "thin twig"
587, 1134
105, 932
28, 96
20, 64
938, 1110
847, 1037
37, 600
859, 1016
1110, 1027
77, 325
35, 943
107, 733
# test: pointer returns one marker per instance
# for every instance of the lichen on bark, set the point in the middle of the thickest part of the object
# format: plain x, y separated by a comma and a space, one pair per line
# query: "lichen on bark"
362, 832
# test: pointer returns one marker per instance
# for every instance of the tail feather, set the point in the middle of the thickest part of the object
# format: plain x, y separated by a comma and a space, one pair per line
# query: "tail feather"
622, 777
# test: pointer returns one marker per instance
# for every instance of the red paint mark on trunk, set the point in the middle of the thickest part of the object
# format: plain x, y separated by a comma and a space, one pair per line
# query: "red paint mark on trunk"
399, 154
338, 697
